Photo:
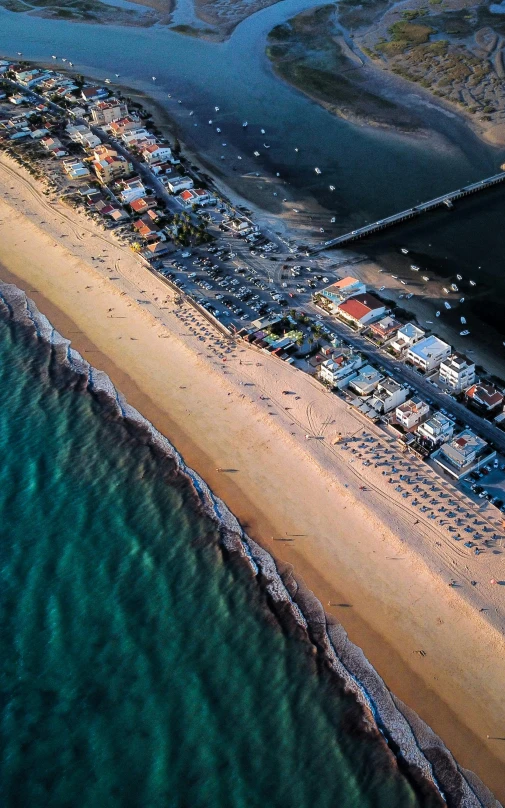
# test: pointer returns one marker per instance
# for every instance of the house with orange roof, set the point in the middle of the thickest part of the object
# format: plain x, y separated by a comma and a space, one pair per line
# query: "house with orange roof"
361, 309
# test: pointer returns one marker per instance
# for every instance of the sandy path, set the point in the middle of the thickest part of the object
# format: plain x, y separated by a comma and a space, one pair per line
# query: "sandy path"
381, 568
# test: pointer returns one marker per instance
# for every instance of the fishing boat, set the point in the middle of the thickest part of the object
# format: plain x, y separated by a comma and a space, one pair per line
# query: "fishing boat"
459, 277
256, 153
437, 314
447, 305
414, 268
404, 251
332, 187
265, 146
472, 283
245, 125
464, 333
454, 287
317, 170
462, 320
425, 278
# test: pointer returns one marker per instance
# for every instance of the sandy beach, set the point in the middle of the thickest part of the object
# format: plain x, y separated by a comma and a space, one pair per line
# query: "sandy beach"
381, 568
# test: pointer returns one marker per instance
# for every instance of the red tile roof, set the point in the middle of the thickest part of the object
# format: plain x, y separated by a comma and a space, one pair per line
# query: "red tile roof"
357, 307
485, 393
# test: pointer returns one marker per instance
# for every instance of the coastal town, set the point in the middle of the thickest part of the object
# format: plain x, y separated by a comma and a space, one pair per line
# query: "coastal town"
101, 155
367, 401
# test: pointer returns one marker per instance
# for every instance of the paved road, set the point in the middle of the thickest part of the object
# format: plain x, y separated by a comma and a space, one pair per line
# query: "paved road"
407, 374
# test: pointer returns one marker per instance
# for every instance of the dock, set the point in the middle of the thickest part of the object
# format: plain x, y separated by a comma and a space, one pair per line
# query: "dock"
446, 200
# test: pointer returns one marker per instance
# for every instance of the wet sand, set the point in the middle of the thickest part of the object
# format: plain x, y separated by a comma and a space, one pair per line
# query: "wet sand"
377, 572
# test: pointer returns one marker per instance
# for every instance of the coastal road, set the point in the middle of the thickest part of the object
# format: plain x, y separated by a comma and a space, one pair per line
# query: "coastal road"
420, 383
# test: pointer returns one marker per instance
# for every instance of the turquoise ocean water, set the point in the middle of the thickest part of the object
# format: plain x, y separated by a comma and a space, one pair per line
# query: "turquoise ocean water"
139, 667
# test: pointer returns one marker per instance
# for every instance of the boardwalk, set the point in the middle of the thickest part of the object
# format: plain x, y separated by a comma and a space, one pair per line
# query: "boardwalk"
389, 221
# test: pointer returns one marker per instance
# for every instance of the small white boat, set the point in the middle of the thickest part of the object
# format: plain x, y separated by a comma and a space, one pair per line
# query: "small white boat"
223, 144
218, 130
71, 64
437, 314
277, 174
447, 305
462, 300
445, 290
245, 125
472, 283
191, 113
454, 287
404, 251
262, 131
459, 277
429, 322
317, 170
332, 187
239, 157
425, 278
265, 146
414, 268
153, 78
462, 320
464, 333
382, 288
222, 157
116, 75
211, 122
296, 149
107, 81
169, 95
217, 109
256, 153
333, 219
410, 294
20, 53
63, 60
179, 102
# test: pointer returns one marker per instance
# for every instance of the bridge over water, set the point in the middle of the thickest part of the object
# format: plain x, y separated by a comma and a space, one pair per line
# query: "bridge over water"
389, 221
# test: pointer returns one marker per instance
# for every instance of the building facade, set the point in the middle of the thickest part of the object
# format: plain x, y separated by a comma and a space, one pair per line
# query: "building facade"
457, 372
429, 353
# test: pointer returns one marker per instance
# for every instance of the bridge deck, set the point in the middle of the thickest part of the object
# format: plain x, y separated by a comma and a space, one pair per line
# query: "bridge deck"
417, 210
